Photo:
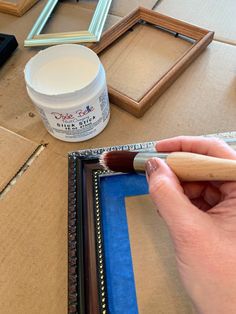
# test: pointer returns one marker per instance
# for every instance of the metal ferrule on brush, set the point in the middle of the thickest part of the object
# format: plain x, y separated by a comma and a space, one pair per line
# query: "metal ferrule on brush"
141, 158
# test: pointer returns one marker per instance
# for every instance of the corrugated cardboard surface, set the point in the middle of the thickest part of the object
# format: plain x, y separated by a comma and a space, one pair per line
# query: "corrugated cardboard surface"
69, 17
122, 7
218, 16
17, 112
201, 101
14, 151
33, 213
158, 285
33, 237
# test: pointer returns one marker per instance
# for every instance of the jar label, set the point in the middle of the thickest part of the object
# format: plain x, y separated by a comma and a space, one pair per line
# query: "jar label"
81, 123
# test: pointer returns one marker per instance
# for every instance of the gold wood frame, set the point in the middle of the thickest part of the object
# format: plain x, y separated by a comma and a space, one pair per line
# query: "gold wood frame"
18, 8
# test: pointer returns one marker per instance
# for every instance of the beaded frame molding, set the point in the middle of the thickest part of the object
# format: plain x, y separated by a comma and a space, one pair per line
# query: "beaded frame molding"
86, 269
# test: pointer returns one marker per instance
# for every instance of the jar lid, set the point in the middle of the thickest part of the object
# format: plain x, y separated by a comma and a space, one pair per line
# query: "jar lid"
62, 69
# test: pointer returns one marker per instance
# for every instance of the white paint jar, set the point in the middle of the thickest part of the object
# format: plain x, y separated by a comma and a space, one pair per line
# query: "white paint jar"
67, 84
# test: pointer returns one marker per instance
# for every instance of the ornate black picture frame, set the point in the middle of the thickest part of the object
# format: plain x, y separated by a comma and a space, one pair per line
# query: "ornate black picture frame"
86, 269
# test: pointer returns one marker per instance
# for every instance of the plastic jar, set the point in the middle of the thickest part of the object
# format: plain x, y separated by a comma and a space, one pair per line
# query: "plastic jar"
67, 84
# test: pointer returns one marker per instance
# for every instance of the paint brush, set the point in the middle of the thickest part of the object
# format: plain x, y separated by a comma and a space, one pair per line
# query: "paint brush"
187, 166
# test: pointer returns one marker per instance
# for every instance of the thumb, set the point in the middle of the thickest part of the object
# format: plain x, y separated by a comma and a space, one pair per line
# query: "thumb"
168, 195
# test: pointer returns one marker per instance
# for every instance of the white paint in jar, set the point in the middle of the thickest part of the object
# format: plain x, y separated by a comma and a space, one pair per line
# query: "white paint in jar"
67, 84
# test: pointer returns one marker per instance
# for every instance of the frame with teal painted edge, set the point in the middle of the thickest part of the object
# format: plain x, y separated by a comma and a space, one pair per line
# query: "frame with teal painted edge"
92, 34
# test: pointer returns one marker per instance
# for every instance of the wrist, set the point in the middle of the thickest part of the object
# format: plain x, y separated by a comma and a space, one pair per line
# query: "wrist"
220, 299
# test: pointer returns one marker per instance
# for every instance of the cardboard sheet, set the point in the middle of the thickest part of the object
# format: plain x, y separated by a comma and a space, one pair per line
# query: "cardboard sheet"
70, 16
201, 101
158, 285
33, 237
17, 112
14, 151
121, 7
142, 57
33, 213
217, 16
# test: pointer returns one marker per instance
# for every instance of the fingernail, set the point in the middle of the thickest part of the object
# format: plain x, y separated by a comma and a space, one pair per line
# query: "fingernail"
151, 166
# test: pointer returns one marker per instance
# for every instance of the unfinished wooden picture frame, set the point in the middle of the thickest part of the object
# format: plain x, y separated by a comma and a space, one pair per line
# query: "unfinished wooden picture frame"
92, 34
18, 7
201, 39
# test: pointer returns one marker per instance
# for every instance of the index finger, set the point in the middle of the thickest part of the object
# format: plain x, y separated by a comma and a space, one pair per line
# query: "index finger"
197, 144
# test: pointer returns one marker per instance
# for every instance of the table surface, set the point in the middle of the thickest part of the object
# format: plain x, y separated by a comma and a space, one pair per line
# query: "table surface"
33, 211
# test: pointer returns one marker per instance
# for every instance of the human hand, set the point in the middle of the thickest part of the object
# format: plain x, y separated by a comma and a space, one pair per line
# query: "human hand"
201, 218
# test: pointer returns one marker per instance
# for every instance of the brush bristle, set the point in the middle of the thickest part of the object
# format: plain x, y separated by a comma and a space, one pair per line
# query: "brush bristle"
118, 161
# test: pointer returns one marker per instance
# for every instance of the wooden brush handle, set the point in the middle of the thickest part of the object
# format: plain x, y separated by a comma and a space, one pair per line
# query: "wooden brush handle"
195, 167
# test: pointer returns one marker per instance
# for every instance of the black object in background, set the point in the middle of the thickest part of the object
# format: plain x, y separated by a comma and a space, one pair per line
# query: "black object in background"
8, 44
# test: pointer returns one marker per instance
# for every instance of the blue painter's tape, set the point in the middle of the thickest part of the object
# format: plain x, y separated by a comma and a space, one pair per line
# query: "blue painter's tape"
118, 261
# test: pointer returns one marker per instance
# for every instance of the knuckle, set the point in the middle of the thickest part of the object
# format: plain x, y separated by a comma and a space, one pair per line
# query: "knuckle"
222, 147
181, 138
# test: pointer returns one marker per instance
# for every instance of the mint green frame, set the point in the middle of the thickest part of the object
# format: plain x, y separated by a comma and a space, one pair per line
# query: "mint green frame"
93, 33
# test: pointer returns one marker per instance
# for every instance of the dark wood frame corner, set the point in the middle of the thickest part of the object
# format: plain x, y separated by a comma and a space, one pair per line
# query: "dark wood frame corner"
86, 269
201, 36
